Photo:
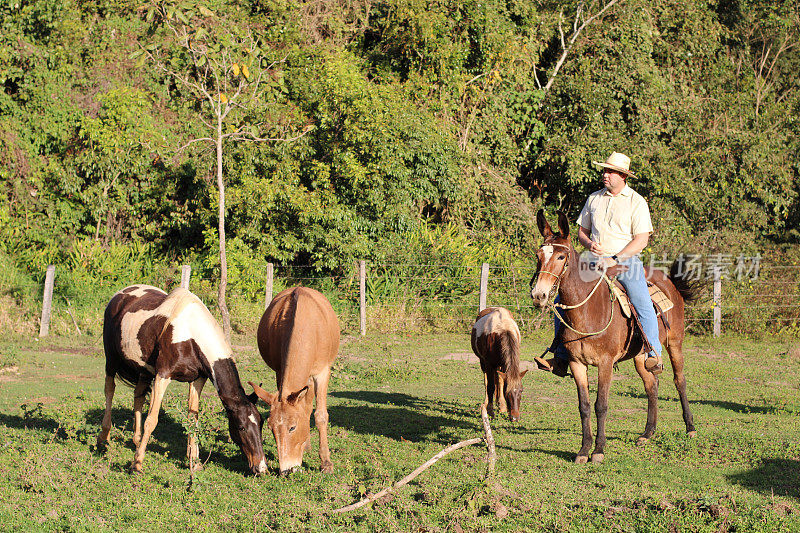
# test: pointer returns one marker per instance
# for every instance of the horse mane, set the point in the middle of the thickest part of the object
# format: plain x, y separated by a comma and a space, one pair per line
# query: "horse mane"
688, 289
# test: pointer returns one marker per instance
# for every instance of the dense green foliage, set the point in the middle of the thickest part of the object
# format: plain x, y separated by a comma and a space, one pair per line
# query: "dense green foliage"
417, 114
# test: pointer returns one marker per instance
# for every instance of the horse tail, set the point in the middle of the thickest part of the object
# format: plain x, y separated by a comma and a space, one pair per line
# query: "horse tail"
509, 352
689, 289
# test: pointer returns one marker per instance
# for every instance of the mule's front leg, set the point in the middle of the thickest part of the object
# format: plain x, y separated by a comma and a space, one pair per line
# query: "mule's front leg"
604, 373
159, 386
584, 406
321, 419
651, 388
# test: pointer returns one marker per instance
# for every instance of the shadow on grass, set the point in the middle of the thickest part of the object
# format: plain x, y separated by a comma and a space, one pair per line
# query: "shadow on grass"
397, 415
772, 476
722, 404
169, 437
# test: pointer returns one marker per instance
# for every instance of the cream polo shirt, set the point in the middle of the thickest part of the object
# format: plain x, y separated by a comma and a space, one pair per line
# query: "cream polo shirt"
614, 220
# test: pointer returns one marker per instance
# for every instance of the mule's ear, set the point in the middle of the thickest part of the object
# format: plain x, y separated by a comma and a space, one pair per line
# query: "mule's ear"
258, 392
544, 226
295, 397
563, 224
522, 374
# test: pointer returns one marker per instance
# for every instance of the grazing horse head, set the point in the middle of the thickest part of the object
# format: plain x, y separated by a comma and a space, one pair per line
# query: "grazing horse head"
244, 425
552, 258
289, 420
512, 392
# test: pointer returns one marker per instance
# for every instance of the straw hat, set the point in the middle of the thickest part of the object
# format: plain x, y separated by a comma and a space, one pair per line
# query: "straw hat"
617, 161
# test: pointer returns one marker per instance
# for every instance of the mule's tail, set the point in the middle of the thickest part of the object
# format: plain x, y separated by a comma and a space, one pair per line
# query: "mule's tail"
509, 351
689, 289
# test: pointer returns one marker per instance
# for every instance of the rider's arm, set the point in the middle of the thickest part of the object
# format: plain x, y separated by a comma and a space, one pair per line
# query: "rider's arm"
635, 247
585, 238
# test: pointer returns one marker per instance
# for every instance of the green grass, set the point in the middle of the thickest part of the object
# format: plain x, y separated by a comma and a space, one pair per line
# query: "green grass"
394, 403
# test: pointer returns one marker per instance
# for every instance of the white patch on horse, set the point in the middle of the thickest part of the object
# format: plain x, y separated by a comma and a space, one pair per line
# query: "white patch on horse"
548, 253
252, 419
191, 319
497, 321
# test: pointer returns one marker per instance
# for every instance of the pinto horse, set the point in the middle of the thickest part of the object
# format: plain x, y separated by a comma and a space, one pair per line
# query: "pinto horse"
298, 338
597, 333
496, 341
151, 338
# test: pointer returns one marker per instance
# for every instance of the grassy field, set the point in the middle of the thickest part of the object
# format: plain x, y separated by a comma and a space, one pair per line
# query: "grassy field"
396, 401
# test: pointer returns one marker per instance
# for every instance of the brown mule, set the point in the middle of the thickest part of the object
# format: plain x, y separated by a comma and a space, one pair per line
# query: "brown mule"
298, 338
598, 334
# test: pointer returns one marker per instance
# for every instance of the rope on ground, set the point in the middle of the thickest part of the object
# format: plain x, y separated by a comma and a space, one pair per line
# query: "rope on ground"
488, 438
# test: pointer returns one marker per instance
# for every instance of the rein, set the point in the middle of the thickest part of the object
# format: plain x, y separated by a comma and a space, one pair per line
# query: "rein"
554, 306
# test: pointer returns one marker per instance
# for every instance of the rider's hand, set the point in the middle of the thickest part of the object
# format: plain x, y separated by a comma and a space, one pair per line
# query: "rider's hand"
595, 248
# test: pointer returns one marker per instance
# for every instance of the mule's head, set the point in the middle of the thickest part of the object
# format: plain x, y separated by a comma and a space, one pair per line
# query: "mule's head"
512, 392
552, 258
244, 424
289, 420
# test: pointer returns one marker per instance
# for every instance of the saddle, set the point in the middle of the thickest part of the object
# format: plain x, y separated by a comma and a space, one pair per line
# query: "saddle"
661, 302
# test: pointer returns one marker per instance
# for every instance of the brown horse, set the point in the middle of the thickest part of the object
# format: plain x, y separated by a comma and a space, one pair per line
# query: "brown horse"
496, 341
597, 333
151, 338
298, 338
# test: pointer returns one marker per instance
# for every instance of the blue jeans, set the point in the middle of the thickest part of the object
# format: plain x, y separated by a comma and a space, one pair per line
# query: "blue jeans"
635, 283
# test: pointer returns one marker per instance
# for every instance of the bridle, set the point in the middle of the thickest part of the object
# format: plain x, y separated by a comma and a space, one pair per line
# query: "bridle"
554, 306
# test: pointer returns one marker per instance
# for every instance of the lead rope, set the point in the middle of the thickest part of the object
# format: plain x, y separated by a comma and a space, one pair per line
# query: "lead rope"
553, 306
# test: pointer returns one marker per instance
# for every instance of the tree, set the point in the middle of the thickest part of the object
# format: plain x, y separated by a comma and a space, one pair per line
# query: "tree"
232, 79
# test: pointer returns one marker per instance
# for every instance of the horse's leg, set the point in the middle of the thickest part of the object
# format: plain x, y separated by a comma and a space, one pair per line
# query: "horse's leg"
651, 388
675, 350
321, 419
500, 393
104, 437
490, 378
604, 372
159, 386
584, 406
139, 395
192, 450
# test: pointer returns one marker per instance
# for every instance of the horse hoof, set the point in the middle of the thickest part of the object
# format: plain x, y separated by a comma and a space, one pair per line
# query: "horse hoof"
327, 467
691, 434
581, 460
642, 441
598, 457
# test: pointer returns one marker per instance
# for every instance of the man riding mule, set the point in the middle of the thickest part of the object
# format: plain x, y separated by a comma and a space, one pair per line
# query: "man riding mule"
615, 226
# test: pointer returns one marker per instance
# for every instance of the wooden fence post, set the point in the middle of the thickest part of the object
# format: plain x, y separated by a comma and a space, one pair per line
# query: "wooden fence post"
362, 295
186, 274
47, 301
268, 288
483, 287
717, 301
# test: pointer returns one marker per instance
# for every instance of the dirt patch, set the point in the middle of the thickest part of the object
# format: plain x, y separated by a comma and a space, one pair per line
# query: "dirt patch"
9, 373
794, 352
86, 352
467, 357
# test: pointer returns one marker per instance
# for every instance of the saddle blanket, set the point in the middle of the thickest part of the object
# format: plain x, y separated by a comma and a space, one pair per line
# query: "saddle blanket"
661, 302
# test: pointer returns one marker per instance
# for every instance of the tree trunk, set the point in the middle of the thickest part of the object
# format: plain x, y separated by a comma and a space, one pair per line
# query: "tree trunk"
223, 261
